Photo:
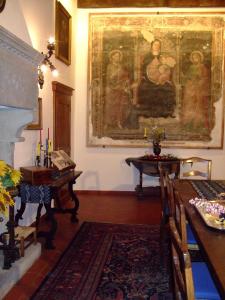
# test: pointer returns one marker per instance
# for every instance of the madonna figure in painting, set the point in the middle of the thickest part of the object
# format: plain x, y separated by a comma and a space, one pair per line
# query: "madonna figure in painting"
196, 93
118, 93
156, 91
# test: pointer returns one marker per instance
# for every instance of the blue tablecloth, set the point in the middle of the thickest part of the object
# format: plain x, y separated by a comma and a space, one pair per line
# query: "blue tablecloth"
35, 194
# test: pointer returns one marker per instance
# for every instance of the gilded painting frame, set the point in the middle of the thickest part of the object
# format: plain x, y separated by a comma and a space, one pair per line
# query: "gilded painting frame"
161, 70
37, 123
62, 34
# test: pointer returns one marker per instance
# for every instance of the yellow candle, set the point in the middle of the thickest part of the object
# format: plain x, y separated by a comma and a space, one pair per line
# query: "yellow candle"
145, 132
49, 146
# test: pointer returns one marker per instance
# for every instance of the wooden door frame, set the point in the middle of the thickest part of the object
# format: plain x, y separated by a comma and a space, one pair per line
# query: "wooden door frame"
59, 88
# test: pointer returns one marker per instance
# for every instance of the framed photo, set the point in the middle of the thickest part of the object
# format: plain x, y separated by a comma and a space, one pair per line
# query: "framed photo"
62, 34
156, 70
37, 123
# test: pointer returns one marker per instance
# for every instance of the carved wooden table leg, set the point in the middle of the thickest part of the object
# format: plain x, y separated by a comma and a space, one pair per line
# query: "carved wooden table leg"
51, 233
10, 251
14, 251
73, 195
38, 215
19, 213
139, 187
74, 198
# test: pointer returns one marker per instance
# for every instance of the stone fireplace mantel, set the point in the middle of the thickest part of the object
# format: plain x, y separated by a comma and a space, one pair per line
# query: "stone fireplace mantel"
18, 90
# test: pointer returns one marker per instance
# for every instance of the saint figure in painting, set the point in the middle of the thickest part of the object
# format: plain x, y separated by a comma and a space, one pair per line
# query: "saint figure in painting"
118, 93
156, 91
196, 93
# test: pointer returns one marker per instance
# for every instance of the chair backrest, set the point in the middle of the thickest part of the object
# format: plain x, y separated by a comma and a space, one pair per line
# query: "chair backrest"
170, 195
171, 198
180, 217
166, 169
181, 262
195, 167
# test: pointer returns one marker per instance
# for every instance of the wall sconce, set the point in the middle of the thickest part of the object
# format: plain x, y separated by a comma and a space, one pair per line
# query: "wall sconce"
47, 63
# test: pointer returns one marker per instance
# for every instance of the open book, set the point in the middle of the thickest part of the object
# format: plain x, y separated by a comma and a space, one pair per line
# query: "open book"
61, 160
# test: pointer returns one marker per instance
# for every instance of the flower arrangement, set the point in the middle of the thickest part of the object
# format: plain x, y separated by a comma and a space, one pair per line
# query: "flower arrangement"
211, 208
9, 178
156, 134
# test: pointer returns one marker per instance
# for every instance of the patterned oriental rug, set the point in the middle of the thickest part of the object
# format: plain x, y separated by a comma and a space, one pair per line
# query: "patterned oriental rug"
111, 262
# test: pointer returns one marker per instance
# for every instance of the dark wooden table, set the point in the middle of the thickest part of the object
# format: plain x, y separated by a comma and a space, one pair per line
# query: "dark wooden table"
37, 176
150, 166
211, 241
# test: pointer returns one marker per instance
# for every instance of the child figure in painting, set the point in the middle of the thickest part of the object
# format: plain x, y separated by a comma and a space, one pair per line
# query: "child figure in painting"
164, 71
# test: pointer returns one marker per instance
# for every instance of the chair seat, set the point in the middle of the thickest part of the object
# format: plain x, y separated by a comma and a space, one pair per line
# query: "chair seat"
190, 236
203, 283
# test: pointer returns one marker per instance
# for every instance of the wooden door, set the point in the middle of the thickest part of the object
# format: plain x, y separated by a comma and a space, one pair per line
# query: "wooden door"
62, 116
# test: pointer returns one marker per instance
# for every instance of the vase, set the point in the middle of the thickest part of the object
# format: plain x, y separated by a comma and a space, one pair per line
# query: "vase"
156, 148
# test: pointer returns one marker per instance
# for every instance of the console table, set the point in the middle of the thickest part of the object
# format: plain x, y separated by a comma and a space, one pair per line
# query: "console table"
149, 165
42, 184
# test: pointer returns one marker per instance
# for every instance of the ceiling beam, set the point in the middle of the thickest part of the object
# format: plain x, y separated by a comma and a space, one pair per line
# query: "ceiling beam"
148, 3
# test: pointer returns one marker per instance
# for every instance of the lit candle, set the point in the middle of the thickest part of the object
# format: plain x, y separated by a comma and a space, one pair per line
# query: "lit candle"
51, 40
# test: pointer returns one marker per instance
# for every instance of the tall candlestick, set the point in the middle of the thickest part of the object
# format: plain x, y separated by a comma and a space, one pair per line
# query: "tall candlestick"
48, 133
38, 149
46, 145
40, 138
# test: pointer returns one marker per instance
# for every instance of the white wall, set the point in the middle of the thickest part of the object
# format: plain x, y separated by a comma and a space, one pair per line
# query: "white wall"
33, 22
105, 168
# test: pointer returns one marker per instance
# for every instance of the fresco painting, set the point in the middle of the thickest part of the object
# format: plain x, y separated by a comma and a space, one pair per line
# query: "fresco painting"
165, 70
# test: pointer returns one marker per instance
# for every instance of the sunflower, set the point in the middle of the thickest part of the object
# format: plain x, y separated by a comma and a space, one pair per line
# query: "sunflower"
15, 176
3, 168
9, 178
5, 200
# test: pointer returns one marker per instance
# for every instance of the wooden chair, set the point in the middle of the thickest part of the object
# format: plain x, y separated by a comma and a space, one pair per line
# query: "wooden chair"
171, 205
195, 167
181, 264
186, 232
165, 169
166, 195
191, 280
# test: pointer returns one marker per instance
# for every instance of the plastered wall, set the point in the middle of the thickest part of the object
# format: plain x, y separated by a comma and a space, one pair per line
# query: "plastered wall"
103, 169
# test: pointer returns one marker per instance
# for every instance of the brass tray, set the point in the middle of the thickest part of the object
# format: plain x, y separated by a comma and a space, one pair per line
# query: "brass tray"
210, 220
